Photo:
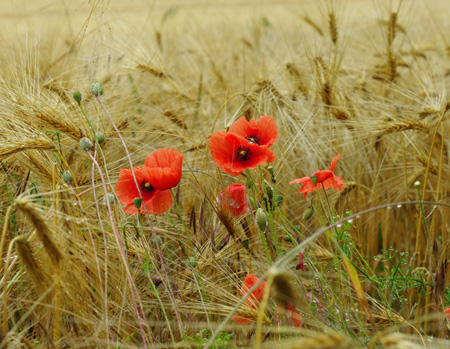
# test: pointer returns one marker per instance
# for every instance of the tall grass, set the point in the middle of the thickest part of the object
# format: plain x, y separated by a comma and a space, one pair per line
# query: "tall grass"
366, 80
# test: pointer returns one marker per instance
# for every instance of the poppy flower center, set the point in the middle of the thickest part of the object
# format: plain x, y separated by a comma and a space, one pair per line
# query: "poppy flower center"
243, 153
253, 138
146, 187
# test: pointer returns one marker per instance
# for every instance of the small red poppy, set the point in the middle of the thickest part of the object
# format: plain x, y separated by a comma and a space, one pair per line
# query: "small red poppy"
234, 154
253, 301
161, 171
321, 179
447, 313
234, 199
293, 314
262, 131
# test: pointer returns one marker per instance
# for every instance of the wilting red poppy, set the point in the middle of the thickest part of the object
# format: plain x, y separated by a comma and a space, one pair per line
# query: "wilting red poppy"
321, 179
301, 264
161, 171
234, 154
253, 300
234, 199
293, 315
262, 131
447, 313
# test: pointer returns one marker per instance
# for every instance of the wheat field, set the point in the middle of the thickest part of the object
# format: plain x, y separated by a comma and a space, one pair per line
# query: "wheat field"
363, 266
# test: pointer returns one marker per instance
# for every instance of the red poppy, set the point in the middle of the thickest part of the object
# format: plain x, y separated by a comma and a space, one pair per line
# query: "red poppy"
253, 300
234, 199
262, 131
161, 171
292, 314
301, 264
321, 179
234, 154
447, 313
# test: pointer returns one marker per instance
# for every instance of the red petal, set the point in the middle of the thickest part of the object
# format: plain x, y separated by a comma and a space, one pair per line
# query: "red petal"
164, 168
334, 162
125, 188
308, 186
241, 320
223, 148
234, 198
300, 265
322, 175
268, 130
297, 319
159, 202
265, 128
334, 182
257, 295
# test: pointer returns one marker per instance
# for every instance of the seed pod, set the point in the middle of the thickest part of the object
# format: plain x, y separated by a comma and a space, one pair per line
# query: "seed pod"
100, 136
67, 177
137, 203
77, 96
85, 143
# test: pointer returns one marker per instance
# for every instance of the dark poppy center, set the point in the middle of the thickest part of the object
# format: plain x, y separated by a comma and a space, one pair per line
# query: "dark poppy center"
243, 153
146, 187
253, 138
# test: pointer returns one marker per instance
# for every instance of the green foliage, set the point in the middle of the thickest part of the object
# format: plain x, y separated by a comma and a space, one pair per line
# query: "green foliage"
222, 341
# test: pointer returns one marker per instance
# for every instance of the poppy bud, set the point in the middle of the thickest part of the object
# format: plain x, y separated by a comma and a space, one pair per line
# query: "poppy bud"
269, 190
77, 96
417, 184
270, 169
261, 219
85, 143
110, 197
191, 262
308, 213
157, 240
97, 89
314, 179
100, 136
278, 199
313, 307
137, 202
67, 177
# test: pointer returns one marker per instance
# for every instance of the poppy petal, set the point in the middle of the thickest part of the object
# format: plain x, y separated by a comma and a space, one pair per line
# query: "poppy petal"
265, 129
268, 131
125, 188
164, 168
322, 175
241, 320
297, 319
234, 198
334, 162
159, 202
257, 295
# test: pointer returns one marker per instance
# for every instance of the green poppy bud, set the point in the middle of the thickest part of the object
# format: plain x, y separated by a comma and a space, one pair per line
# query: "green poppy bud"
261, 219
100, 137
278, 199
308, 213
77, 96
67, 177
191, 262
314, 179
110, 197
313, 307
269, 190
137, 202
85, 143
97, 89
